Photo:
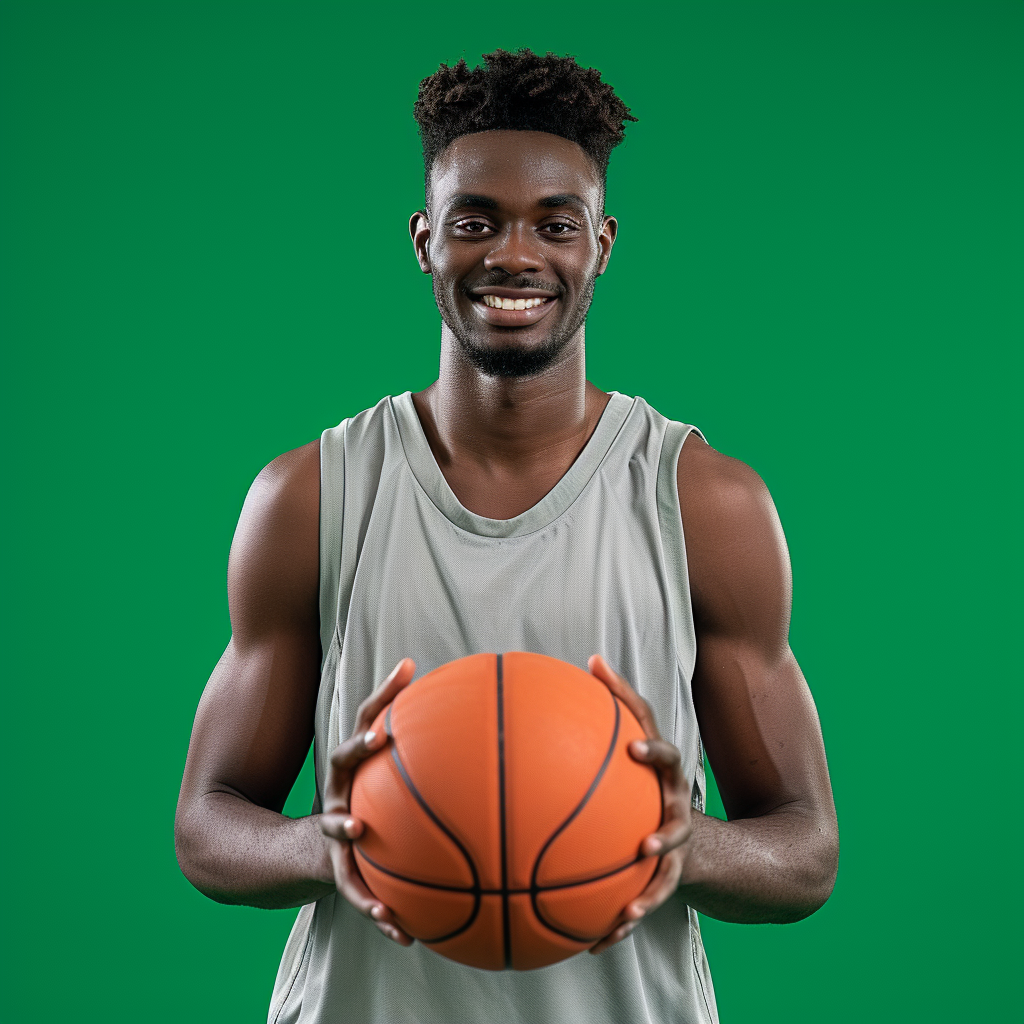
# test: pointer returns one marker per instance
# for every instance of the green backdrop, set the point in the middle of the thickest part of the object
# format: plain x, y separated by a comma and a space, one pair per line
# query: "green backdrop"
206, 264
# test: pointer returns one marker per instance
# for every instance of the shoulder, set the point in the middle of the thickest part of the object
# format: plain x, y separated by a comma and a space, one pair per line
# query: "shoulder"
289, 483
275, 554
735, 548
712, 485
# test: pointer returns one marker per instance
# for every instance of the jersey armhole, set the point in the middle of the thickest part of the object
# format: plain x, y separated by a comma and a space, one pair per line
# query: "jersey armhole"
673, 543
332, 515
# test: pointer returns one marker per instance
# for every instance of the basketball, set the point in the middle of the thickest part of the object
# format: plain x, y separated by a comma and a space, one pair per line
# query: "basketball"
503, 822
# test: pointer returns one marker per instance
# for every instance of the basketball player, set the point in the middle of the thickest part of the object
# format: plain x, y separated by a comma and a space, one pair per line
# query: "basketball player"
512, 505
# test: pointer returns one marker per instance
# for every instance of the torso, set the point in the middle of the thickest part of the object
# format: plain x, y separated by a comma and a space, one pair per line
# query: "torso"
592, 565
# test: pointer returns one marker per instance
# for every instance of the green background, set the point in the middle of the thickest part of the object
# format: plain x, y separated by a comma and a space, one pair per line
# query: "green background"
206, 264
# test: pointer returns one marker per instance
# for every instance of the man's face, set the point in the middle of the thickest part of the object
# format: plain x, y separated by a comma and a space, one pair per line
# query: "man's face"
515, 220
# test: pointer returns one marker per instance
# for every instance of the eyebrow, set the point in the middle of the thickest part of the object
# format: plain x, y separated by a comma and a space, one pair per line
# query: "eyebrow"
461, 200
562, 199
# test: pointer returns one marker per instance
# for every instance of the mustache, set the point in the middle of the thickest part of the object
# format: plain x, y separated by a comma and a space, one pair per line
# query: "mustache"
503, 280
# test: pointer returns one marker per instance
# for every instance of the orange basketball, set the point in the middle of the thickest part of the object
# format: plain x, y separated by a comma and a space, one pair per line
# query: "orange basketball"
504, 819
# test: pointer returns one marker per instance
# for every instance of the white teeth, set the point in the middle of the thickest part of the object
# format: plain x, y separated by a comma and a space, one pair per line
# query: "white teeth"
498, 303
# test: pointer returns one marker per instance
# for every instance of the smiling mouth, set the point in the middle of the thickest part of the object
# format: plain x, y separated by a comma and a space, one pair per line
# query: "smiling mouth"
499, 302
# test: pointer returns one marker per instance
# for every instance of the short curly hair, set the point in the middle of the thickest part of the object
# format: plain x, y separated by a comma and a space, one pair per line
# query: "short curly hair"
521, 91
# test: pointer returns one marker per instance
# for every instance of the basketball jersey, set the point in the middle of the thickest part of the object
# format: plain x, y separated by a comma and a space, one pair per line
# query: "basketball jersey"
597, 566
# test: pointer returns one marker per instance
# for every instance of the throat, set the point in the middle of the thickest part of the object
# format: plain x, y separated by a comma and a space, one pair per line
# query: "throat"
500, 460
499, 497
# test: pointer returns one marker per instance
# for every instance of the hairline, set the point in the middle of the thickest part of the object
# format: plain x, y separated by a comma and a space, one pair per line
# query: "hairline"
600, 174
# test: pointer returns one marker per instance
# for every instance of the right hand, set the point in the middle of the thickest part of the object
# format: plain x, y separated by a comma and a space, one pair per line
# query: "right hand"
338, 825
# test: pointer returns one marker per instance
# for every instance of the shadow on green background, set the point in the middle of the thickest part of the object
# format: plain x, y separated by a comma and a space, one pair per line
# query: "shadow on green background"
818, 264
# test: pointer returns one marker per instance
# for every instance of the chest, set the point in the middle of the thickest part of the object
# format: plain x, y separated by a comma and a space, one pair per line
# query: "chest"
592, 582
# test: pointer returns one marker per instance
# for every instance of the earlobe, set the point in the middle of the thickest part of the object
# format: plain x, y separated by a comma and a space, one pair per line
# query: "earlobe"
419, 231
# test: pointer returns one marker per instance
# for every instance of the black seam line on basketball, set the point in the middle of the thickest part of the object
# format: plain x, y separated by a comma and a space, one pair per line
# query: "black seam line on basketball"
468, 890
506, 923
429, 885
565, 824
444, 828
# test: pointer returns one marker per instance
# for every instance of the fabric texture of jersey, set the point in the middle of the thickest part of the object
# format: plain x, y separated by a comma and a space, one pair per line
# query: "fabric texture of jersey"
598, 566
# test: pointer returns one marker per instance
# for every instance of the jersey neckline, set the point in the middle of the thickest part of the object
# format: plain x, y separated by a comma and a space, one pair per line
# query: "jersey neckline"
429, 476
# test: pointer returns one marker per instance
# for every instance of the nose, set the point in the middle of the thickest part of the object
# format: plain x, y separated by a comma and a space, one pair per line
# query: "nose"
516, 251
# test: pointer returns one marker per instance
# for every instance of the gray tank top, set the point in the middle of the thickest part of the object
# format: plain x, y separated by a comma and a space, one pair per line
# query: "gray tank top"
598, 566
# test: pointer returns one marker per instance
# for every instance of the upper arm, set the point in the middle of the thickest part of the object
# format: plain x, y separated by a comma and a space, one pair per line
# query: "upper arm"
756, 715
254, 724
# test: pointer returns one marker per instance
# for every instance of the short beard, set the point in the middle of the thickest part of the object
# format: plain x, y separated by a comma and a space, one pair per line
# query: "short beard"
515, 362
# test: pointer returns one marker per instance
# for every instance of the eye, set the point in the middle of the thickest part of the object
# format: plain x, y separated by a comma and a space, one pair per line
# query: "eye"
559, 228
472, 226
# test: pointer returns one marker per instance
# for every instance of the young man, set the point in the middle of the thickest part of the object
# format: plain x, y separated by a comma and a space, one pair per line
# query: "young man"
512, 505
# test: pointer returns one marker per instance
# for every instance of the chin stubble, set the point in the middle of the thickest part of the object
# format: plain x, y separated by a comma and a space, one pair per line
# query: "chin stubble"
511, 361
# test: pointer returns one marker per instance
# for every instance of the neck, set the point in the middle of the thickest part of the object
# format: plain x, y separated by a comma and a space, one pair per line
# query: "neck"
509, 423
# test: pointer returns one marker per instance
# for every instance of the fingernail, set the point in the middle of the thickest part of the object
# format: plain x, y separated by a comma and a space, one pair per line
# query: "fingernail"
643, 748
377, 913
654, 845
347, 824
369, 737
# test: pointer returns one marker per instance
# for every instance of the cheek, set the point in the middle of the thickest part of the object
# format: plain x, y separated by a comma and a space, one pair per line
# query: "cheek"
448, 266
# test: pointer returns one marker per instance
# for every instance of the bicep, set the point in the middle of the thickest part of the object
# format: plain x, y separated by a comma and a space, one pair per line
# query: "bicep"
254, 723
756, 715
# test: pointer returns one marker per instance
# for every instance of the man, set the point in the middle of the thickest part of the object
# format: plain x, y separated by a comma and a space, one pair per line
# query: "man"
512, 505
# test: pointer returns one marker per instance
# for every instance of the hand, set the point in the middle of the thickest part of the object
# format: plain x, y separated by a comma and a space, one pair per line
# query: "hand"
669, 842
338, 825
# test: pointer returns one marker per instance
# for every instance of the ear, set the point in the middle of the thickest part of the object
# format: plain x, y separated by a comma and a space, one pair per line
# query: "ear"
419, 231
606, 239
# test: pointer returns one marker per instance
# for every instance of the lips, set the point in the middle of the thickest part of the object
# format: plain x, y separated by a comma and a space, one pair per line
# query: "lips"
492, 305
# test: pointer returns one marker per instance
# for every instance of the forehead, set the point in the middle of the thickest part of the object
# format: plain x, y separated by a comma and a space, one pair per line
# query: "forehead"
514, 165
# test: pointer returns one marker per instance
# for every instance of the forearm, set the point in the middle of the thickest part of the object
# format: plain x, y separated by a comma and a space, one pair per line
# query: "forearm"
767, 870
237, 852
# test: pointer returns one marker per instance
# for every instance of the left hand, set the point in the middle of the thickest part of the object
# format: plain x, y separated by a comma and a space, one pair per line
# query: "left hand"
670, 841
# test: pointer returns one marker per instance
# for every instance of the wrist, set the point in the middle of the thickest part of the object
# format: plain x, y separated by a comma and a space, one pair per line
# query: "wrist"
694, 874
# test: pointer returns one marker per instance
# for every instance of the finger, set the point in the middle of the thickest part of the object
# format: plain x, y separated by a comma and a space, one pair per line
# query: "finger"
673, 833
666, 759
657, 752
399, 677
640, 708
663, 883
384, 918
616, 936
344, 760
342, 827
630, 914
351, 885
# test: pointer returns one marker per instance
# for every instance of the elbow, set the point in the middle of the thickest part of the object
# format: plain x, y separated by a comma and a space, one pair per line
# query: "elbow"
812, 899
818, 878
185, 850
188, 849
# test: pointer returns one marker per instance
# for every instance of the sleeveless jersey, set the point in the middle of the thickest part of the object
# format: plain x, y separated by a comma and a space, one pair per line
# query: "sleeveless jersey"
597, 566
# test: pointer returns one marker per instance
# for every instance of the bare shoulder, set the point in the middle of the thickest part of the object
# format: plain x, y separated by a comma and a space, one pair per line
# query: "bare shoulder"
273, 571
712, 484
291, 482
736, 550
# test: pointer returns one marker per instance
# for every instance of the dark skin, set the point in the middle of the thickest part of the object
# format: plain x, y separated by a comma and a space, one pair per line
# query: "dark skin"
502, 443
